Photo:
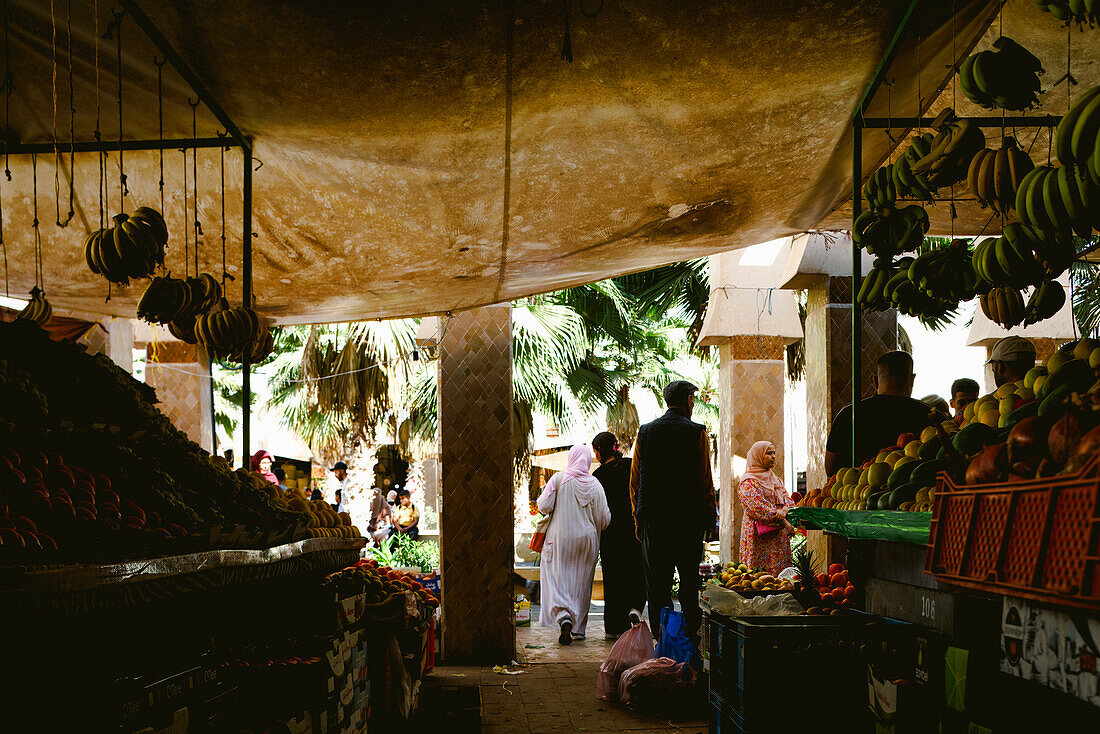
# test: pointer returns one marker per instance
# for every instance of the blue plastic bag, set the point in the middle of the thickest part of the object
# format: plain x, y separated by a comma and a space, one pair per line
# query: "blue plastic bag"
674, 642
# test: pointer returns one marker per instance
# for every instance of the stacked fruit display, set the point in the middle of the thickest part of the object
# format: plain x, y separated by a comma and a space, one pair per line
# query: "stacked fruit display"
377, 582
1006, 79
55, 398
833, 587
132, 248
38, 309
739, 577
1043, 425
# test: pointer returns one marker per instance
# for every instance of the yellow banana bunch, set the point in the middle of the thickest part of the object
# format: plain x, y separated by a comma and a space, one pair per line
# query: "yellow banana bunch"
1004, 306
132, 248
183, 328
1059, 199
38, 309
954, 147
995, 176
1006, 79
1077, 140
1083, 12
225, 331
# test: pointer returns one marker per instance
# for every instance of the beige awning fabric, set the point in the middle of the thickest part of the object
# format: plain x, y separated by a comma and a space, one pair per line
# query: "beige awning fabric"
556, 461
679, 130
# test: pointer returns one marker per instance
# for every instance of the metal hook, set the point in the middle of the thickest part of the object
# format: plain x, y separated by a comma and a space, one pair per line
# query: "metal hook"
195, 103
159, 63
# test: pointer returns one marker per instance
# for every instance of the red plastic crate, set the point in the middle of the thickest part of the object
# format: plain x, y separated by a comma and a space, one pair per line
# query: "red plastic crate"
1038, 539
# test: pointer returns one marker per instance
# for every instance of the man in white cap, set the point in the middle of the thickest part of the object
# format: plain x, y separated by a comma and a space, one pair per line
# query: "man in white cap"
1011, 359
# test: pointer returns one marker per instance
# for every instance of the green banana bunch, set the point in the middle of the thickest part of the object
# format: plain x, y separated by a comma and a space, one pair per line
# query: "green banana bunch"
38, 309
909, 185
1006, 79
1009, 260
946, 274
133, 248
879, 189
871, 292
953, 148
225, 331
887, 233
889, 285
166, 300
1045, 301
994, 177
1004, 306
1081, 11
1059, 199
1077, 140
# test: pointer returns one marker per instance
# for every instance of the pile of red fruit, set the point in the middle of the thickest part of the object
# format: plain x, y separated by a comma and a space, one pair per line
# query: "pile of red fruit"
834, 587
44, 501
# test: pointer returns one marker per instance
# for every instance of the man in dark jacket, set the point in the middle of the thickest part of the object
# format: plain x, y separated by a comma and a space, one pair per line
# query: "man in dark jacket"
675, 510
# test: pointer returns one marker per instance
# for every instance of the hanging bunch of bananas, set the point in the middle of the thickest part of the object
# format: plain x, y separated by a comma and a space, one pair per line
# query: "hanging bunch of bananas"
1006, 79
1046, 300
260, 348
1059, 199
946, 273
183, 328
909, 185
1076, 140
1081, 11
38, 309
1008, 260
888, 286
955, 145
133, 248
879, 190
995, 176
170, 299
1004, 306
225, 331
889, 232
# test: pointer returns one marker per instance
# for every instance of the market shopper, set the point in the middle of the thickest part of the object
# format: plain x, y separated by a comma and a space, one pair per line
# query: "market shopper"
765, 531
964, 391
938, 404
1011, 359
340, 472
620, 551
406, 517
578, 512
261, 462
882, 418
675, 509
280, 477
381, 516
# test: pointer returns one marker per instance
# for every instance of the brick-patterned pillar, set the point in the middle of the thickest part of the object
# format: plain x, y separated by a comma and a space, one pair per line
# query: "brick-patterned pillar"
751, 395
475, 514
829, 362
180, 373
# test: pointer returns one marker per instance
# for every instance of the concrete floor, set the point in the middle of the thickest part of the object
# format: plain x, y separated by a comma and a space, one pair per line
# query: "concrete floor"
557, 690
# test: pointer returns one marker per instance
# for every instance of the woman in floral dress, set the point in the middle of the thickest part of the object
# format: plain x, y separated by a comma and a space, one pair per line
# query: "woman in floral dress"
765, 532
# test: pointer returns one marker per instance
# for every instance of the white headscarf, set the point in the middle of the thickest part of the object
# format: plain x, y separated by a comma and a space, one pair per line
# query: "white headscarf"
578, 470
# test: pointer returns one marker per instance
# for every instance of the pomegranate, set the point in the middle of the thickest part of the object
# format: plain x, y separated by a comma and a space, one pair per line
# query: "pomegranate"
1025, 441
990, 465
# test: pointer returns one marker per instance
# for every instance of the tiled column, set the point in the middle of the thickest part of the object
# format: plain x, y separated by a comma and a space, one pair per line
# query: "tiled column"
751, 395
475, 514
829, 361
180, 373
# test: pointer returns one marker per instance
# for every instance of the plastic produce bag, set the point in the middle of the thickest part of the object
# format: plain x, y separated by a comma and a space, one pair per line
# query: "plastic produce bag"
658, 685
633, 646
728, 603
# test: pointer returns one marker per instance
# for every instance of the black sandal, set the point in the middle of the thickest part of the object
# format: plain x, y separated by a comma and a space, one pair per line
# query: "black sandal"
566, 636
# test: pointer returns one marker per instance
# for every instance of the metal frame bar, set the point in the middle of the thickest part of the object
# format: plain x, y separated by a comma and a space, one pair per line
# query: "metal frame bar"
985, 121
92, 146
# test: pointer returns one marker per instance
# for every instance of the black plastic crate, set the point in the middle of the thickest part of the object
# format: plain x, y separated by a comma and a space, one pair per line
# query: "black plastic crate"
751, 656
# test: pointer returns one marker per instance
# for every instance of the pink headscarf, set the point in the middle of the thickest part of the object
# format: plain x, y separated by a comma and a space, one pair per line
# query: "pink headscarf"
754, 468
578, 470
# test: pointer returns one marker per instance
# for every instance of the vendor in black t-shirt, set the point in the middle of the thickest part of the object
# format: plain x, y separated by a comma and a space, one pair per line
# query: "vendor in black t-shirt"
882, 417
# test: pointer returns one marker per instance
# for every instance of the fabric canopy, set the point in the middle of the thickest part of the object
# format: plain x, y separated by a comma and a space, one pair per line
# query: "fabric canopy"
678, 130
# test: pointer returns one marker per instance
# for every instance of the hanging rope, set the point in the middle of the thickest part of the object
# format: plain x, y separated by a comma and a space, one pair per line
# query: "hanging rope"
9, 87
72, 116
186, 252
57, 158
97, 134
509, 59
195, 180
160, 125
221, 150
37, 232
122, 189
4, 246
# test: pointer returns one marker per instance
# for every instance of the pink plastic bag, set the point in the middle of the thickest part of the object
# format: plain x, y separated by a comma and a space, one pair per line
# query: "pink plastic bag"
660, 684
633, 646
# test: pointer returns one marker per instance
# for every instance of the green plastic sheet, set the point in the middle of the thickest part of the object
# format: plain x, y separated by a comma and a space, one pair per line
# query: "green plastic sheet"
900, 527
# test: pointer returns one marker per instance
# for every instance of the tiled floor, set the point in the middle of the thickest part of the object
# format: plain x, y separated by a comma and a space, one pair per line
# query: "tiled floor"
557, 690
